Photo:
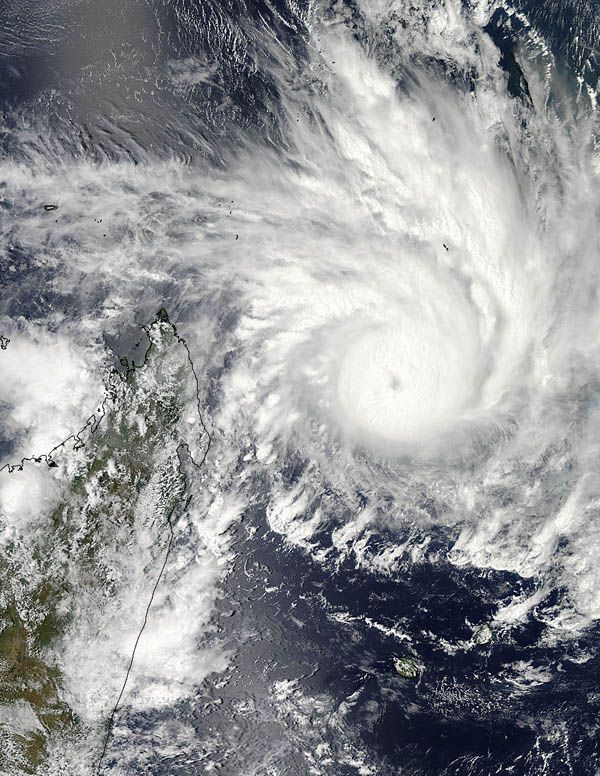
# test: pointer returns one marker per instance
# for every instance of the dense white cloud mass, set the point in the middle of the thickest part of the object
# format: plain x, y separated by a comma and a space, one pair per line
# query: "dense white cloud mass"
51, 385
404, 299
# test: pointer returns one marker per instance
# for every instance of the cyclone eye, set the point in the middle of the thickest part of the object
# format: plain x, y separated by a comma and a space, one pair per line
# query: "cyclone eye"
401, 385
395, 382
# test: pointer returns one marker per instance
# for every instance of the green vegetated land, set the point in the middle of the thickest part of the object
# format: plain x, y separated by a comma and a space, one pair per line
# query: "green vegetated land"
119, 484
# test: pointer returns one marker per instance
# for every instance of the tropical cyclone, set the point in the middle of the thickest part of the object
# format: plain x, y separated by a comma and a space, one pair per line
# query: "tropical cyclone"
377, 223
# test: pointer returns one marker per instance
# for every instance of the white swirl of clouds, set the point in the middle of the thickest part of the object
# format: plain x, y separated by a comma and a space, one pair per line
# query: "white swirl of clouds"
412, 302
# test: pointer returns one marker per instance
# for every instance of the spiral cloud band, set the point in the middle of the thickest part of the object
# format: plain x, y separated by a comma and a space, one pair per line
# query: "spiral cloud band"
389, 290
